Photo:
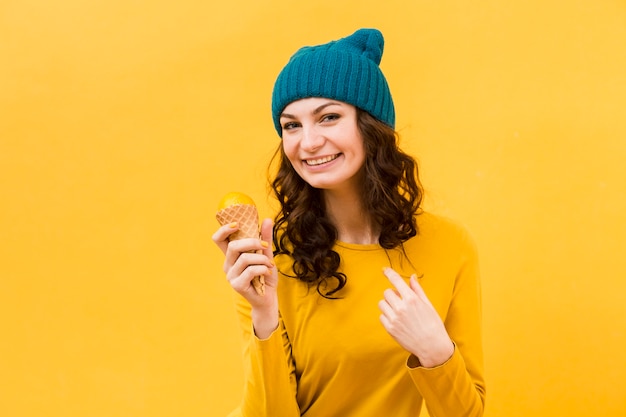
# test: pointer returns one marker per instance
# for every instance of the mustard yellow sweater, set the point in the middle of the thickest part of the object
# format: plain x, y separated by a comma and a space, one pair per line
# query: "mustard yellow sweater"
333, 358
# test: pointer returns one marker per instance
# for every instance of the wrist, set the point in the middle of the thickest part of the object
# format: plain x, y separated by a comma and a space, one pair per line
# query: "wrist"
435, 357
264, 322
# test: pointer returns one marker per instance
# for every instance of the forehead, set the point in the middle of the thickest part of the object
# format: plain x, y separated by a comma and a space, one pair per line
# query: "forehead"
312, 104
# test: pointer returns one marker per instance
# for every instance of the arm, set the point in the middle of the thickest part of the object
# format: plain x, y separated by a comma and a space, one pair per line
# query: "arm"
269, 371
457, 387
446, 358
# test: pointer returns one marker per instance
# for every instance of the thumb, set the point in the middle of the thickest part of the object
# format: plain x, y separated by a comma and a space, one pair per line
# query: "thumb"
267, 235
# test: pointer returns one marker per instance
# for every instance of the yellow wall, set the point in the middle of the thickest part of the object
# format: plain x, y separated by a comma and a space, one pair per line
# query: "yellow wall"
123, 122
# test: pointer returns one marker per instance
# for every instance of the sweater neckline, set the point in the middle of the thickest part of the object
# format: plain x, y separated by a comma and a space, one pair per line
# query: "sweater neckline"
358, 246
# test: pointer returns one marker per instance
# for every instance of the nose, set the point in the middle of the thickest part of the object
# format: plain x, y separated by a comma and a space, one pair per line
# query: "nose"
312, 139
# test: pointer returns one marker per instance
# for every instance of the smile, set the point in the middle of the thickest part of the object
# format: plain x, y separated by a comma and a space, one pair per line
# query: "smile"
320, 161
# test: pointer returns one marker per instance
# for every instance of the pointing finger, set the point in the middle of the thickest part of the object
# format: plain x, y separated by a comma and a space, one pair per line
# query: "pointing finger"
398, 282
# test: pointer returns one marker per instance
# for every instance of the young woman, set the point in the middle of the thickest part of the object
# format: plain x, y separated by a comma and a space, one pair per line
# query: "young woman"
371, 305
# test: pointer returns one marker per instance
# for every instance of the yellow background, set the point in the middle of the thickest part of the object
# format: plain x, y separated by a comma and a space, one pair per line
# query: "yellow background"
122, 123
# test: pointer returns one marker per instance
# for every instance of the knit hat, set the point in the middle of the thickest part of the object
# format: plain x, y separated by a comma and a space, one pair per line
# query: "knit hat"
345, 70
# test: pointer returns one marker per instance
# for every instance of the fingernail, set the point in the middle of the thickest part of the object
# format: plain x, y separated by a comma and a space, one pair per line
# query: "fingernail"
232, 225
264, 244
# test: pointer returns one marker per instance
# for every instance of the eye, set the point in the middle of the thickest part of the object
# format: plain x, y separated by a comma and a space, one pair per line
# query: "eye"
330, 117
290, 125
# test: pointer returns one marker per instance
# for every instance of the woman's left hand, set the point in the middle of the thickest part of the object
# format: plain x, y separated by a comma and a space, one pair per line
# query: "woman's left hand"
410, 318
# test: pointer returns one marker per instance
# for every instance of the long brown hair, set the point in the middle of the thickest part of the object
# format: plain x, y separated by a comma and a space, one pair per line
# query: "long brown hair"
392, 195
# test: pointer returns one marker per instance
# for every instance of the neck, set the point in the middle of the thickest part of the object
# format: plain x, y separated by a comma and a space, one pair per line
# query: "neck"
353, 223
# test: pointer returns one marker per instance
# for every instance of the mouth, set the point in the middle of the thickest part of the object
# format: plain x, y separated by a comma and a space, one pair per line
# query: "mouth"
321, 161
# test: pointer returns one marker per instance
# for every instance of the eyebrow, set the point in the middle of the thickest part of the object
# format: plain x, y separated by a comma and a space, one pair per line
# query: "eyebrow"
316, 111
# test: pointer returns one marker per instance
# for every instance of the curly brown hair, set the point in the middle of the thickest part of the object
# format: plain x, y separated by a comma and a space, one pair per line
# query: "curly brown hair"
392, 195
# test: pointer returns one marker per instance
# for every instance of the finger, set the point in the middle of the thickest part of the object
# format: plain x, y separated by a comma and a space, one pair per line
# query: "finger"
237, 248
248, 259
385, 321
397, 281
386, 309
267, 236
243, 281
220, 237
417, 288
392, 298
246, 265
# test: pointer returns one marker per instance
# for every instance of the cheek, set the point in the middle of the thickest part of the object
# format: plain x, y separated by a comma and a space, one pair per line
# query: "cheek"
289, 150
360, 153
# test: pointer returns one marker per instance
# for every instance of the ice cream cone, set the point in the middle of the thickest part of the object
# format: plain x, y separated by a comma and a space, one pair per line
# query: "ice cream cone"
247, 219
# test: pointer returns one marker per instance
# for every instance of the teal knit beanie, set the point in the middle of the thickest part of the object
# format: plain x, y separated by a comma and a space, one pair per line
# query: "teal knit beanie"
346, 70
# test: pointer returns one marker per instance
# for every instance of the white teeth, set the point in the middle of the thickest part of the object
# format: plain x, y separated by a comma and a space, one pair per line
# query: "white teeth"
320, 161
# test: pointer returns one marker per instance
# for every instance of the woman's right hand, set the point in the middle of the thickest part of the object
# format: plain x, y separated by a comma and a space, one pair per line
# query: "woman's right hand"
246, 259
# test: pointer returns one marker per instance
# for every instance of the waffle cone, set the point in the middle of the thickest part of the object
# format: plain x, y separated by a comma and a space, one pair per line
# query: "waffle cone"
247, 219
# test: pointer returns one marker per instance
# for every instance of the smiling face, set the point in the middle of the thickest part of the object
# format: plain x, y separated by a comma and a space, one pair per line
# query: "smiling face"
322, 141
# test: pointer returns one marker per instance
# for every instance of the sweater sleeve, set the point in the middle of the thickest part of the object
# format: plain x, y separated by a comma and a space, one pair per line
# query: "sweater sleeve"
457, 387
269, 371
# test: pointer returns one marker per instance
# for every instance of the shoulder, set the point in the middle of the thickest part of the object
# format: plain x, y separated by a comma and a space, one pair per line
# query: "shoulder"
431, 224
443, 233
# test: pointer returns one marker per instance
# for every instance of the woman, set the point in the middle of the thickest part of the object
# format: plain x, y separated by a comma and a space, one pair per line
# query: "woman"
371, 305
